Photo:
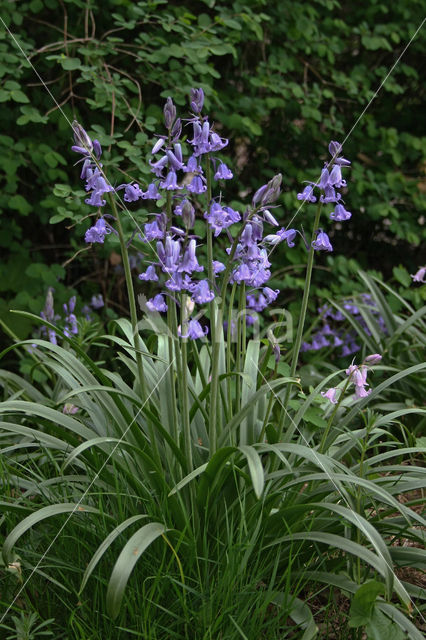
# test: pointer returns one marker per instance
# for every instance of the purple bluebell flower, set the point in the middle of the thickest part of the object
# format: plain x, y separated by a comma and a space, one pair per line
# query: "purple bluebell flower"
158, 166
288, 235
156, 229
169, 254
331, 395
322, 242
69, 409
223, 173
340, 213
218, 267
330, 195
98, 232
149, 274
220, 217
201, 292
373, 359
197, 185
192, 165
420, 275
178, 282
170, 183
158, 145
97, 301
194, 330
189, 261
157, 303
307, 194
175, 159
335, 179
132, 192
152, 192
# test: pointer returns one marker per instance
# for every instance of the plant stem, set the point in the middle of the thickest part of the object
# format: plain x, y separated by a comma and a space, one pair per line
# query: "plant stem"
132, 301
184, 389
301, 324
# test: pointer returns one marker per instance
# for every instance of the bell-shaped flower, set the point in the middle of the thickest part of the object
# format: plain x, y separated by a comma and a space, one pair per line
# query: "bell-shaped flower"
340, 214
170, 183
201, 292
98, 232
307, 194
223, 173
157, 303
149, 274
322, 242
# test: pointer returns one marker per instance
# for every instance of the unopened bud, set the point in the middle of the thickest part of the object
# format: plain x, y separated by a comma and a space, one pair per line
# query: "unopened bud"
197, 100
375, 358
169, 113
81, 138
188, 214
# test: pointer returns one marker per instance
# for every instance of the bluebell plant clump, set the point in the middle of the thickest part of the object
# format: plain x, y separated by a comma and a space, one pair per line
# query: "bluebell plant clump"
334, 333
356, 375
68, 321
185, 163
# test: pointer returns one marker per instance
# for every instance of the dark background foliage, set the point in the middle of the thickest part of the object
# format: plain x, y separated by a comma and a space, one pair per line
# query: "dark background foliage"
281, 79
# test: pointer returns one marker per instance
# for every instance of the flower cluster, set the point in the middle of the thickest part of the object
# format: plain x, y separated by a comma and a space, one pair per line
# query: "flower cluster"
332, 335
178, 179
330, 181
357, 375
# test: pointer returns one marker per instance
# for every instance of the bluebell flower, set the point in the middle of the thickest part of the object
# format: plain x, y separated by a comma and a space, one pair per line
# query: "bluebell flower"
322, 242
220, 217
132, 192
189, 261
197, 185
179, 282
169, 254
223, 173
419, 276
98, 232
331, 395
149, 274
97, 301
330, 195
340, 213
170, 183
157, 303
158, 166
335, 149
152, 192
194, 330
307, 194
156, 229
288, 235
201, 292
218, 267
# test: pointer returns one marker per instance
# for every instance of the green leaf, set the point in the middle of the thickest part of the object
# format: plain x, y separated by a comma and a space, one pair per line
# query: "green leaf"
363, 603
18, 96
70, 64
401, 274
19, 203
42, 514
126, 562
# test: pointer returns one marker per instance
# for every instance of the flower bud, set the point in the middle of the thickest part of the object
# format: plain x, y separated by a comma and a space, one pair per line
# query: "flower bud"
188, 214
81, 138
375, 358
197, 100
169, 113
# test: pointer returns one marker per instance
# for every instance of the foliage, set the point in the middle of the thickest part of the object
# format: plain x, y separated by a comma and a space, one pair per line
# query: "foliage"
205, 487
